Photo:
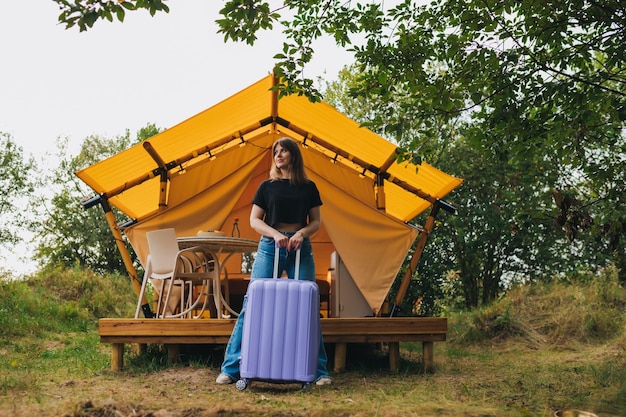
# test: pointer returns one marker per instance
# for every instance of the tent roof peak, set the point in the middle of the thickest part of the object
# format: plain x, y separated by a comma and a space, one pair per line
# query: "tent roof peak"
258, 111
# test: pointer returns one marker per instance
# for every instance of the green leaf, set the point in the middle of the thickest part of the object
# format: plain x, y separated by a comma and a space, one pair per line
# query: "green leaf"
120, 14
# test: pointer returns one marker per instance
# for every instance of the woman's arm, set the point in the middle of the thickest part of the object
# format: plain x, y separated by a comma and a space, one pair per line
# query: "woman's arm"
257, 214
315, 221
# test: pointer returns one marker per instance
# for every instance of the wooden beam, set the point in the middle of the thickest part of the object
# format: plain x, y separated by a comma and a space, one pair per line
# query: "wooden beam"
331, 327
123, 250
163, 173
189, 156
357, 161
274, 105
405, 328
417, 254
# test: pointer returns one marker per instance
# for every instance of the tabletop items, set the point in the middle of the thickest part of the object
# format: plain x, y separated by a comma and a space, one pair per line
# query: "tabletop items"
235, 232
210, 233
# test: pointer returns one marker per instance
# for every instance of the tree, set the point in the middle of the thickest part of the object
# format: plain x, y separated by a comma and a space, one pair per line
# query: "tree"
501, 231
68, 234
537, 80
16, 184
532, 80
85, 13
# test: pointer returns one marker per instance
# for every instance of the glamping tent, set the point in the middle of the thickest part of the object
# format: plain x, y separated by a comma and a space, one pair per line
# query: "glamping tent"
202, 173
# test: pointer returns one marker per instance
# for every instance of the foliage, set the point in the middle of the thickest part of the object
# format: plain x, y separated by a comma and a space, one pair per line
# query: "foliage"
533, 88
436, 85
69, 235
16, 184
98, 295
557, 312
502, 228
502, 231
85, 13
535, 81
534, 109
48, 325
531, 81
61, 301
499, 234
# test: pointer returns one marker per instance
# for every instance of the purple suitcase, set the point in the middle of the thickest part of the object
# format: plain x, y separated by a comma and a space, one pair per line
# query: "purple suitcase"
281, 330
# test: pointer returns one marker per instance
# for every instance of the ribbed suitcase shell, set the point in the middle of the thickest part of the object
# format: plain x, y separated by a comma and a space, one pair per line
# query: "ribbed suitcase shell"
281, 330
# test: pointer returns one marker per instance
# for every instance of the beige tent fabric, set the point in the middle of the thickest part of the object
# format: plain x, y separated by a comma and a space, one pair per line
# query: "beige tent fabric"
372, 244
200, 199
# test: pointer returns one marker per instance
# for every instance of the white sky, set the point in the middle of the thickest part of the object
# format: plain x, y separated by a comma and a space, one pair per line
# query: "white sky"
116, 76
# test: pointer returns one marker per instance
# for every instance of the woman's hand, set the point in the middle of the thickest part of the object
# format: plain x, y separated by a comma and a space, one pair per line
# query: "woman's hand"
281, 240
295, 242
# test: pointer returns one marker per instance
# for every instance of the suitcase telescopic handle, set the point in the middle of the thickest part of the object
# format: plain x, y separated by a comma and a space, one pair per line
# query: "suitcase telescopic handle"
277, 257
296, 274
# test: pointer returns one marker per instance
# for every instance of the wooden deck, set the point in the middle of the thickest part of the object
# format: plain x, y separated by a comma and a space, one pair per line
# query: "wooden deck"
340, 331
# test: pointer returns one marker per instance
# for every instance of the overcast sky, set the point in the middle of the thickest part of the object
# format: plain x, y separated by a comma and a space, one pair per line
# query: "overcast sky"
116, 76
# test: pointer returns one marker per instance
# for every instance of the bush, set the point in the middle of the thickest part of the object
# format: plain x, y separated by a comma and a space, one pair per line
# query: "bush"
62, 300
558, 312
100, 295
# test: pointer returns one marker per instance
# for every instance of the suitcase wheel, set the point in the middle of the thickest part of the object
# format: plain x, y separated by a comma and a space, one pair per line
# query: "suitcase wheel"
242, 384
306, 387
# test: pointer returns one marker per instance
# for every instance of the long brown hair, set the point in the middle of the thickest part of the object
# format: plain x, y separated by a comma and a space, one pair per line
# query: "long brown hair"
296, 167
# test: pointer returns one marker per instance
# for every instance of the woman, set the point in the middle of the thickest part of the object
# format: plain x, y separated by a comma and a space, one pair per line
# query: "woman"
285, 212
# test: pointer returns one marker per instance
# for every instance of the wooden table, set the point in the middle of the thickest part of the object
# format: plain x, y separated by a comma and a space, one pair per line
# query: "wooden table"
221, 248
220, 244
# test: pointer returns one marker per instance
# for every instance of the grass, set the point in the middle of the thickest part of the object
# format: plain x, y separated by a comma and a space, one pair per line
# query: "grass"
540, 348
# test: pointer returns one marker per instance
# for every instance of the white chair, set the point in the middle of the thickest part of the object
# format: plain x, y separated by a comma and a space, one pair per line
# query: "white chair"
174, 274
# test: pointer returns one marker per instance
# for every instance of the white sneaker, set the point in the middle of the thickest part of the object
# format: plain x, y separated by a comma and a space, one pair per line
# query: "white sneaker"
223, 379
325, 380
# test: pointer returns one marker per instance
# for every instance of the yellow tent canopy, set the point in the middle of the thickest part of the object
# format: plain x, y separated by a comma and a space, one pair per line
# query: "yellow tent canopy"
202, 173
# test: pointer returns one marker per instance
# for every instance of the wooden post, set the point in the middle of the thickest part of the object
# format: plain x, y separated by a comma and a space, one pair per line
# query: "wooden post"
340, 357
117, 357
394, 356
428, 355
173, 350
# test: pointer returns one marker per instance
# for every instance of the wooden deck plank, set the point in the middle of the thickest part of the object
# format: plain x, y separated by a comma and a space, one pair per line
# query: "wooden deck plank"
339, 331
330, 327
165, 327
384, 326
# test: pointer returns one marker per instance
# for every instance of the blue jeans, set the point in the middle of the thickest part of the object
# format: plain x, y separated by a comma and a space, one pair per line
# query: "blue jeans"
264, 267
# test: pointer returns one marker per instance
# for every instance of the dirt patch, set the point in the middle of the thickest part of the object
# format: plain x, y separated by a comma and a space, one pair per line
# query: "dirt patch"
121, 409
173, 392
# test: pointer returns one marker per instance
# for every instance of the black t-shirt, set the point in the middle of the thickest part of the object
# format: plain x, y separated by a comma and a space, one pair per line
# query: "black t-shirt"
284, 202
